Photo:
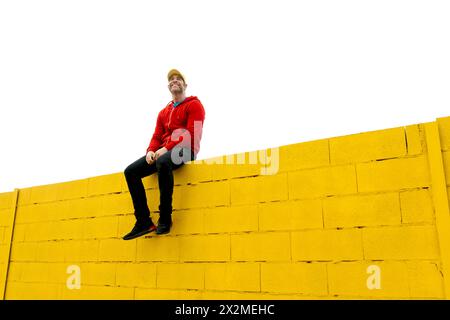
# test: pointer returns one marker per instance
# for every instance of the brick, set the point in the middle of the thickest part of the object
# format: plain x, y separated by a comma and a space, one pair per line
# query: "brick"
425, 280
37, 232
102, 227
98, 274
290, 215
322, 182
73, 229
117, 250
19, 233
44, 193
153, 199
446, 162
267, 246
188, 221
40, 212
35, 272
89, 250
244, 191
32, 291
81, 208
81, 250
57, 273
34, 213
150, 182
23, 251
412, 242
327, 245
56, 230
110, 183
416, 206
24, 197
232, 276
362, 210
444, 132
15, 271
303, 278
367, 146
180, 276
4, 250
204, 248
22, 215
236, 165
350, 279
193, 196
142, 275
49, 211
271, 157
259, 189
415, 139
5, 215
71, 189
193, 172
67, 209
393, 174
158, 249
8, 235
304, 155
6, 200
72, 249
116, 204
2, 235
50, 251
231, 219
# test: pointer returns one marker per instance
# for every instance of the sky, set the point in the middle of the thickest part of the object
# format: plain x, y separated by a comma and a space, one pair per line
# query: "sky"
82, 82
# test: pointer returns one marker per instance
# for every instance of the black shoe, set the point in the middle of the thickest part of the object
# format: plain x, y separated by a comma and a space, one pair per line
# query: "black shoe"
139, 230
163, 227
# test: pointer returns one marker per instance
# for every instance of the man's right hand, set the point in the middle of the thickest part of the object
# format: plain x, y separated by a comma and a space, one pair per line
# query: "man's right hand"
150, 158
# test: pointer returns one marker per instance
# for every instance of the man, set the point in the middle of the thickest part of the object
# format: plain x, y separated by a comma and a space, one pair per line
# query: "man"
176, 140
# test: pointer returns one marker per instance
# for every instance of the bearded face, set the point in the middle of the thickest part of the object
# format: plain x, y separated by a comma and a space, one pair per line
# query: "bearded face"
176, 85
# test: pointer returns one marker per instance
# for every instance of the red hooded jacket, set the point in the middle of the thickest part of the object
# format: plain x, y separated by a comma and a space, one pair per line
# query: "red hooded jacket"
175, 124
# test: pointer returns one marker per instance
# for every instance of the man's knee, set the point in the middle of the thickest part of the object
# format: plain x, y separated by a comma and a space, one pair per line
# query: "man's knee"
128, 171
131, 170
164, 162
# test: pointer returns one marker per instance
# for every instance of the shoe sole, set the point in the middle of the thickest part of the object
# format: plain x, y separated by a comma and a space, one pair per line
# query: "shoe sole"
140, 234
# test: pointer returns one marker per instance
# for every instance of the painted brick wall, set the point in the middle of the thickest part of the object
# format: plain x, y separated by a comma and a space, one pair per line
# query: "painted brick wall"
306, 226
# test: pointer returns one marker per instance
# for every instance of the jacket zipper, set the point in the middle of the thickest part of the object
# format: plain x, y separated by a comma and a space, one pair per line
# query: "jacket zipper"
170, 117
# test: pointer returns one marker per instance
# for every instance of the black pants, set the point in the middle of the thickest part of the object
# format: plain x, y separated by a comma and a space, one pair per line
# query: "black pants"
164, 165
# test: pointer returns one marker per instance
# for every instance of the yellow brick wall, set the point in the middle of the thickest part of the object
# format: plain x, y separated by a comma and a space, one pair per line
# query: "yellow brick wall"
7, 204
334, 208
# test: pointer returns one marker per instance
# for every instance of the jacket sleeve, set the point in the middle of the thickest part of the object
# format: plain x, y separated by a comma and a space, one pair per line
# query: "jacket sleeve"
195, 117
156, 141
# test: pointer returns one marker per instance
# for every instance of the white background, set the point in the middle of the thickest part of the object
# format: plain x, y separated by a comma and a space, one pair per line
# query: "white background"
81, 82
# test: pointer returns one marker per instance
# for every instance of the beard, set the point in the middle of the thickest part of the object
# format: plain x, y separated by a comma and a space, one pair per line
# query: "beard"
177, 90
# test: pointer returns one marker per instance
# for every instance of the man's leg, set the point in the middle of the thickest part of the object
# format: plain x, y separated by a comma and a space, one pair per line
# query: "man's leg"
165, 165
134, 174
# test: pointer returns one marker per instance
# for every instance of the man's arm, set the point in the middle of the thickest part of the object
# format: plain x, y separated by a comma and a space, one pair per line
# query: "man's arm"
196, 113
156, 140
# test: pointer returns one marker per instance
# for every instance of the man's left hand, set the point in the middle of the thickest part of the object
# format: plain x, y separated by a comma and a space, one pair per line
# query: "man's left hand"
160, 152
